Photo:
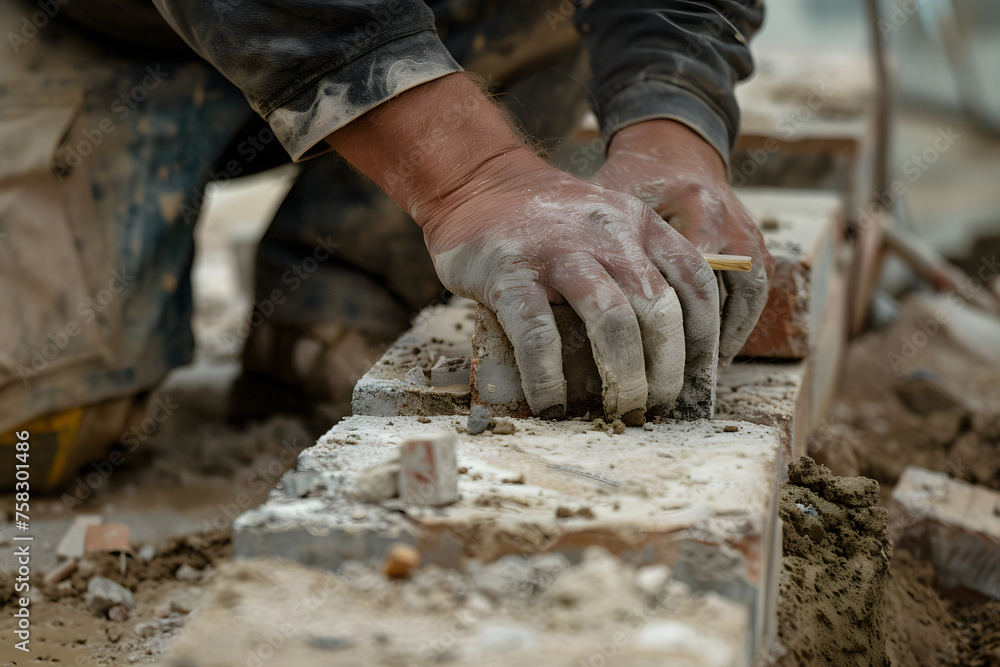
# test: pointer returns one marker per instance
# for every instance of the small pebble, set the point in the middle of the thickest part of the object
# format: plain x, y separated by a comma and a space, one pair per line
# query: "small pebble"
400, 561
731, 428
479, 420
504, 427
118, 613
648, 426
187, 573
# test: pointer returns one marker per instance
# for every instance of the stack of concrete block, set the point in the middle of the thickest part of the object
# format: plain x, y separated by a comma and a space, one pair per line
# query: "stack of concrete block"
699, 497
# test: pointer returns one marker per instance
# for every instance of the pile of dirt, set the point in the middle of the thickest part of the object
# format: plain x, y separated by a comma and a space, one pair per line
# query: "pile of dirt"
836, 560
925, 628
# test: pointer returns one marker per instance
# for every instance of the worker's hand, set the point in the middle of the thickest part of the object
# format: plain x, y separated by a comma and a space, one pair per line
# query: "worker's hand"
516, 234
680, 176
521, 235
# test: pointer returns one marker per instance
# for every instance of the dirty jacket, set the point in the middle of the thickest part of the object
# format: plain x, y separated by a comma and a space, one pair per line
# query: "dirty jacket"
309, 67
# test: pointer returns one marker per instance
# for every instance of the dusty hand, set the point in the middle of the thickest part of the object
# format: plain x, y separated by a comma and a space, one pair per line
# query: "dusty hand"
681, 177
508, 230
521, 235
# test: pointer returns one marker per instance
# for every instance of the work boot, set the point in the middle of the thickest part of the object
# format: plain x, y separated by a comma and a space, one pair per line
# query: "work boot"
60, 443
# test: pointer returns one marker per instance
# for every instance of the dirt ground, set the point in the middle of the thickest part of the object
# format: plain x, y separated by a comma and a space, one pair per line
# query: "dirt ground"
936, 406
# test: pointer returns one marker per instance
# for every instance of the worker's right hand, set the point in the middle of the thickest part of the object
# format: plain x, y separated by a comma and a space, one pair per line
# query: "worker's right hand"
516, 234
519, 235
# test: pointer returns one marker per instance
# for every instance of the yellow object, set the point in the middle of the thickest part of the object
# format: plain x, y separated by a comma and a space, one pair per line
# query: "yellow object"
52, 439
59, 443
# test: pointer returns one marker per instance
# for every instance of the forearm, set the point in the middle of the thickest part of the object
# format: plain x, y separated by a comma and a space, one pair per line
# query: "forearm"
427, 143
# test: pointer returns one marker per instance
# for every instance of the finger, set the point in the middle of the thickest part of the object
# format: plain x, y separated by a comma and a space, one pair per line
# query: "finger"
746, 296
661, 322
524, 313
614, 334
698, 293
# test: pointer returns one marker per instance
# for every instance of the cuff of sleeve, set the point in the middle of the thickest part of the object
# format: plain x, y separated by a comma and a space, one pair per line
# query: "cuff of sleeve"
653, 99
335, 99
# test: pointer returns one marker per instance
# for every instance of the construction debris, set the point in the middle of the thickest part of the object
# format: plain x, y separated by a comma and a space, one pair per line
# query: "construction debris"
952, 524
428, 473
102, 594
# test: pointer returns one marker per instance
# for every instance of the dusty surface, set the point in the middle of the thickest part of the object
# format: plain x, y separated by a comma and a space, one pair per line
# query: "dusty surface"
925, 628
64, 631
836, 559
187, 480
517, 611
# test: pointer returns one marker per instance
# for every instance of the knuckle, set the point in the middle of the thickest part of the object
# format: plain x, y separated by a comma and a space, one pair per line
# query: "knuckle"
619, 320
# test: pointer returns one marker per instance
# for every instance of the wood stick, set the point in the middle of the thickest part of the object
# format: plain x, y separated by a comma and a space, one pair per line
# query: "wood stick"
727, 262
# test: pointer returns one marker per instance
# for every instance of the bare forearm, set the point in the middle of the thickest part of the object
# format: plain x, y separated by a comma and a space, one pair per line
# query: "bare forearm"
423, 145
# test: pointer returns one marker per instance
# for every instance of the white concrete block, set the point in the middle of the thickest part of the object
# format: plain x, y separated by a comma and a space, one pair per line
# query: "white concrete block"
428, 473
953, 524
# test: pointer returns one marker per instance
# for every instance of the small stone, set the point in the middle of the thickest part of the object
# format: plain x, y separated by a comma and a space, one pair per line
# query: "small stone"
731, 428
358, 514
504, 427
147, 552
86, 568
330, 643
102, 594
423, 420
118, 613
504, 638
479, 420
648, 426
769, 224
491, 388
400, 561
184, 602
651, 579
379, 482
147, 629
479, 604
187, 573
415, 377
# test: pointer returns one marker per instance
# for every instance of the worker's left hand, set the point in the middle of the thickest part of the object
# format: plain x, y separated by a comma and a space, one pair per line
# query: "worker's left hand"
680, 176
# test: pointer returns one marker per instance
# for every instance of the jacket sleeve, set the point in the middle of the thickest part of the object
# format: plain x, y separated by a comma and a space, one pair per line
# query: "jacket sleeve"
309, 67
675, 59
